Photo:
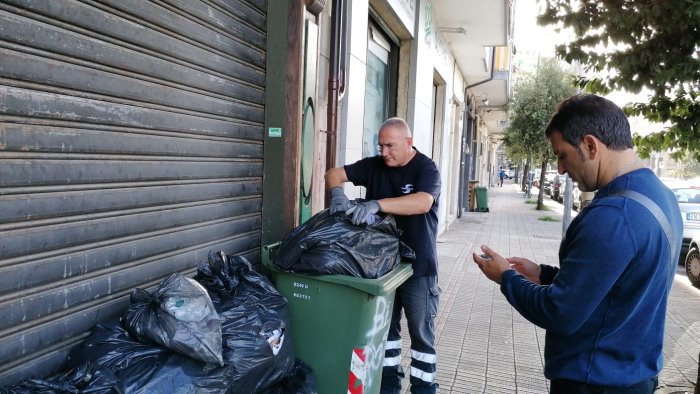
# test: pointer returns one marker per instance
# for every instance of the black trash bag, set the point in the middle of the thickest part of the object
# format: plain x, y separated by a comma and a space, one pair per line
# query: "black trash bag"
178, 315
303, 381
255, 316
145, 368
330, 244
255, 353
84, 379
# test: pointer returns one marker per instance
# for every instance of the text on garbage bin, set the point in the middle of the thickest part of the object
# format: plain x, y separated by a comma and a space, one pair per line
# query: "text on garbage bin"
301, 285
302, 296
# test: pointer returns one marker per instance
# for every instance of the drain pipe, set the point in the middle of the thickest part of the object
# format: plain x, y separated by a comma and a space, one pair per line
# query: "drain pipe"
336, 81
493, 64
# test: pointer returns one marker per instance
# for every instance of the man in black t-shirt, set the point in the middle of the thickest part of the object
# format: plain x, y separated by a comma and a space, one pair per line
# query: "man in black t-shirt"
406, 183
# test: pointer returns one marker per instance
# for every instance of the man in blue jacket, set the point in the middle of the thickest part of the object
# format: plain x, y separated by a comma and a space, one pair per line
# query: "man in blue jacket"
406, 183
604, 308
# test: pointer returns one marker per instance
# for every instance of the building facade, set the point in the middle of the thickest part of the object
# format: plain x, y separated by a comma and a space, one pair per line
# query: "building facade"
135, 137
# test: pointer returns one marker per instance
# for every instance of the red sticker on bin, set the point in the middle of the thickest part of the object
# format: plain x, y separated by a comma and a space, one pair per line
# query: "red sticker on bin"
358, 371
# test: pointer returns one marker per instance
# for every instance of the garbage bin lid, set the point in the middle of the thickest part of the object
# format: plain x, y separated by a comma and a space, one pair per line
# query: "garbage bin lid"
379, 286
385, 284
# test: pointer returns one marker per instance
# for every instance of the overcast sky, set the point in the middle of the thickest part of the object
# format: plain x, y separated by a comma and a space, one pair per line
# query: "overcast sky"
529, 36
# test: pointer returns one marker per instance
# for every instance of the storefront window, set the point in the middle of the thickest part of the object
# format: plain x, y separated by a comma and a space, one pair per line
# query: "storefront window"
376, 89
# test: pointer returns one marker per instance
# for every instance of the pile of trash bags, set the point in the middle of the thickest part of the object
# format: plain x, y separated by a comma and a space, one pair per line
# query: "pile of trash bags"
330, 244
225, 331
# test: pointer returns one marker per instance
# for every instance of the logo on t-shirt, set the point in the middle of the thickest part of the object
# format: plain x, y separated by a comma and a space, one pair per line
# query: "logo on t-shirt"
407, 188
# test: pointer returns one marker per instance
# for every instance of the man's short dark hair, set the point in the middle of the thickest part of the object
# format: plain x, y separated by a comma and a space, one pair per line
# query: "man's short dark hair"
590, 114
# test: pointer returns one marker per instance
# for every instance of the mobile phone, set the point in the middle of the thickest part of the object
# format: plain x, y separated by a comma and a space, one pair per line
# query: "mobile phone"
485, 257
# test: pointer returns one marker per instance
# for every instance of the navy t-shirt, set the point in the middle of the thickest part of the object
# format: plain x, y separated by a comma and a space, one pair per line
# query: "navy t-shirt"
418, 175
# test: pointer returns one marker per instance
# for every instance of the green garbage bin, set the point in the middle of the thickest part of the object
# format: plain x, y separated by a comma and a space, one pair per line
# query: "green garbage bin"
482, 199
339, 324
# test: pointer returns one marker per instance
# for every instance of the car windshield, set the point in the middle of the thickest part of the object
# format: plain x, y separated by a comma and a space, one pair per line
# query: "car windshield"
688, 195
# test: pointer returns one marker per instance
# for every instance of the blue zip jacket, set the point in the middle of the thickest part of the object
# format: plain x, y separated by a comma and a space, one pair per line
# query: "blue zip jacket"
604, 309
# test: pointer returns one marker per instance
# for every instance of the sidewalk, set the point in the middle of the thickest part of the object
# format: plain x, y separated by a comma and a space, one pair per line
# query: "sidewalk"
485, 346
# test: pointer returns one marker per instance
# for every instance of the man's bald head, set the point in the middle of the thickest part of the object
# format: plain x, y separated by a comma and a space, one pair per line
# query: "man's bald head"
398, 124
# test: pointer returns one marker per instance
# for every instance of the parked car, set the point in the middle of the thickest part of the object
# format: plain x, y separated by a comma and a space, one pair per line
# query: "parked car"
689, 203
692, 261
510, 173
576, 195
549, 178
538, 172
547, 187
558, 187
673, 183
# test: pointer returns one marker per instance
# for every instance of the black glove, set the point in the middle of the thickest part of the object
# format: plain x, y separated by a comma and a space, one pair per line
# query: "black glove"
364, 212
339, 201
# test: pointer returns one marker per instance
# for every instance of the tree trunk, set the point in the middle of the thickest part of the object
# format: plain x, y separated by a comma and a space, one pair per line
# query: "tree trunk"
523, 184
540, 186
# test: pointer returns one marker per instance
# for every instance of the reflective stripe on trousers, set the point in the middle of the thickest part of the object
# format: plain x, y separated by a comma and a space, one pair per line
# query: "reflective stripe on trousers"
418, 298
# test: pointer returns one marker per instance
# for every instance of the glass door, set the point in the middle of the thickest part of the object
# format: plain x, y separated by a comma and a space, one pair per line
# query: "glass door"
376, 89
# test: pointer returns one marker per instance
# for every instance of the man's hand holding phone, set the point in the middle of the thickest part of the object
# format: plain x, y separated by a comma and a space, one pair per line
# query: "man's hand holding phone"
491, 264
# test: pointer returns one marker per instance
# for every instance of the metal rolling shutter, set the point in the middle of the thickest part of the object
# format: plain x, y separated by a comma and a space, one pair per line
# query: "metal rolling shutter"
130, 145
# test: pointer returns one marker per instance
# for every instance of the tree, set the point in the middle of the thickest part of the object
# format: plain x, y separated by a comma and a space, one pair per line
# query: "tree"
633, 45
690, 169
534, 100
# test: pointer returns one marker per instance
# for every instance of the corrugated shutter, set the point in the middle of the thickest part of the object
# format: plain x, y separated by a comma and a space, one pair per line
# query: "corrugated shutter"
130, 145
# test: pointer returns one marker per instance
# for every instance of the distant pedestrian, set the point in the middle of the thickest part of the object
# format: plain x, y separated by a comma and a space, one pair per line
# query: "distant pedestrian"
501, 175
531, 176
604, 308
